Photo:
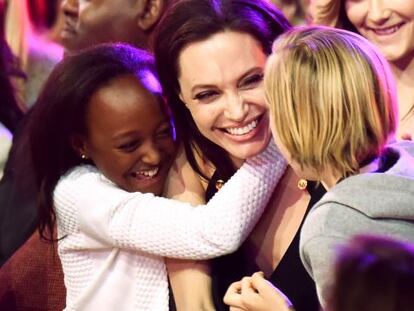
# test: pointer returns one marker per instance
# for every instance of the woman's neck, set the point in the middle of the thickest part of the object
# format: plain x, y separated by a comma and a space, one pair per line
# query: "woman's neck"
403, 72
236, 161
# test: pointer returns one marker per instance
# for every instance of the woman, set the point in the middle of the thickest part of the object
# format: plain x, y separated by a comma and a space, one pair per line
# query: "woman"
210, 58
389, 25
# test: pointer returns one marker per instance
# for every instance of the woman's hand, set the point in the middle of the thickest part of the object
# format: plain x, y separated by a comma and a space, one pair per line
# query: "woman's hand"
255, 293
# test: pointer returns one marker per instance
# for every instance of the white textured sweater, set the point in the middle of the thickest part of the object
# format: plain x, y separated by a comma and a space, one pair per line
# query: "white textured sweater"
113, 242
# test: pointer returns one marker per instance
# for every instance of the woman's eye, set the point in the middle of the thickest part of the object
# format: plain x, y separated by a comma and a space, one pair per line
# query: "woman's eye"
206, 95
252, 81
129, 146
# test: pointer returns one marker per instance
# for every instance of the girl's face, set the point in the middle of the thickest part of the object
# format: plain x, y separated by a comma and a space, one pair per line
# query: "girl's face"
129, 136
221, 84
389, 24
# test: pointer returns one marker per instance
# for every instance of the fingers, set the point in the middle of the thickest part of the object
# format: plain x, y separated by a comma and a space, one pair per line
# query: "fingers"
232, 296
270, 293
256, 293
260, 283
240, 294
247, 287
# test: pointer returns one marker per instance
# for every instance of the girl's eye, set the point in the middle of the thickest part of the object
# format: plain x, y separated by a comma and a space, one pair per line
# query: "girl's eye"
129, 146
165, 132
252, 81
205, 95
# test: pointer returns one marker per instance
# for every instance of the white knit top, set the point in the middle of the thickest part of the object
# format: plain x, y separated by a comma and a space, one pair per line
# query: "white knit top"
114, 241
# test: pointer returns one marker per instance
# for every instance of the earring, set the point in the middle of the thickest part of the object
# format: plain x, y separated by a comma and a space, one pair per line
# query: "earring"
83, 156
302, 184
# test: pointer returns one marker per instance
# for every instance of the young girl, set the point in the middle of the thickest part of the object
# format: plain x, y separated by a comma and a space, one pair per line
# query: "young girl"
333, 114
102, 146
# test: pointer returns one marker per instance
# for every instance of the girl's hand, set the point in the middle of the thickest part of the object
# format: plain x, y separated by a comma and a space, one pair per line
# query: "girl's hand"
255, 293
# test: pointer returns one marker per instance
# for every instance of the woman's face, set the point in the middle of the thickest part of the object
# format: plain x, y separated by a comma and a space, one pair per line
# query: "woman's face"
221, 84
389, 24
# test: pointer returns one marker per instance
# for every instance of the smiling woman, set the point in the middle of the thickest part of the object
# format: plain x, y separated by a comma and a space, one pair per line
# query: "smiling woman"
389, 24
227, 102
210, 58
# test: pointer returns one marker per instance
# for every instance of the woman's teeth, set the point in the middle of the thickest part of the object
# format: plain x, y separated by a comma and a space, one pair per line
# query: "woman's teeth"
386, 31
242, 130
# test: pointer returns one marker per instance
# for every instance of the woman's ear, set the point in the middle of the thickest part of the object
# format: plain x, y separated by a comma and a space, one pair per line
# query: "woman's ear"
79, 146
180, 95
150, 13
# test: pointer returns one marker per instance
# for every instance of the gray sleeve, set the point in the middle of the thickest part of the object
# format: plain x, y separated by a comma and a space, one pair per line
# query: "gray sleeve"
320, 236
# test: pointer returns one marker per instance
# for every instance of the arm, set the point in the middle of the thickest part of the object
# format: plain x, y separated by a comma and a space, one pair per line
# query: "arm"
166, 227
322, 231
190, 280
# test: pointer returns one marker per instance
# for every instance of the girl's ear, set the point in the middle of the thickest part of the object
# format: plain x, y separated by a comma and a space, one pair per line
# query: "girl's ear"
79, 145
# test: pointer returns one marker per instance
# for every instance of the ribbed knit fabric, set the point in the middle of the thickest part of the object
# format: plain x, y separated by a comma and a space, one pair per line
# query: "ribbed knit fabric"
114, 241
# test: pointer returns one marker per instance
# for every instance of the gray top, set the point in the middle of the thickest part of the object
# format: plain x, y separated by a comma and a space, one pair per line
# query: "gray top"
369, 203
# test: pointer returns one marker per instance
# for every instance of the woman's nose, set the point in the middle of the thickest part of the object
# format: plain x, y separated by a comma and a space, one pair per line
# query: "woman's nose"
236, 108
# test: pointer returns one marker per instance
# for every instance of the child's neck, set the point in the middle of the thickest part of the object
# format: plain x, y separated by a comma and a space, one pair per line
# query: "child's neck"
329, 178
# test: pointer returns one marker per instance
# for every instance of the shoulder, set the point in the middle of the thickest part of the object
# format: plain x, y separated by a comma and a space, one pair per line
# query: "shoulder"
81, 181
79, 173
183, 183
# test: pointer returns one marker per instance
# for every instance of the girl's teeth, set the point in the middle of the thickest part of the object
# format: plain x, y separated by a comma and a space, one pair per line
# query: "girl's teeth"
150, 173
242, 130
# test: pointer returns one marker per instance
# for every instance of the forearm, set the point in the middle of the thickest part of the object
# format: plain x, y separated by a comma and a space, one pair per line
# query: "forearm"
191, 284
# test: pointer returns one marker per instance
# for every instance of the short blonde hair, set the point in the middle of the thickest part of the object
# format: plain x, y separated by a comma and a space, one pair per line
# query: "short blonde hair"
331, 97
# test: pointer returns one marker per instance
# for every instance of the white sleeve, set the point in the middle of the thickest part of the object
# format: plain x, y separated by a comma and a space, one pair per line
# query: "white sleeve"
109, 216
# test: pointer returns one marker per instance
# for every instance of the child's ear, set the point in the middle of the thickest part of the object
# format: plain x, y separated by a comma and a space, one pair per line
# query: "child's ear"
79, 146
150, 12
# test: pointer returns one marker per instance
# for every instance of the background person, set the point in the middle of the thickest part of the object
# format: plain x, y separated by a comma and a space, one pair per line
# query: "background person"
87, 23
373, 273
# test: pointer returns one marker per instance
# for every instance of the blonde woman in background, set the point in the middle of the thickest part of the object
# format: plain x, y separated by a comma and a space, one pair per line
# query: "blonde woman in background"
36, 53
332, 112
294, 10
389, 24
